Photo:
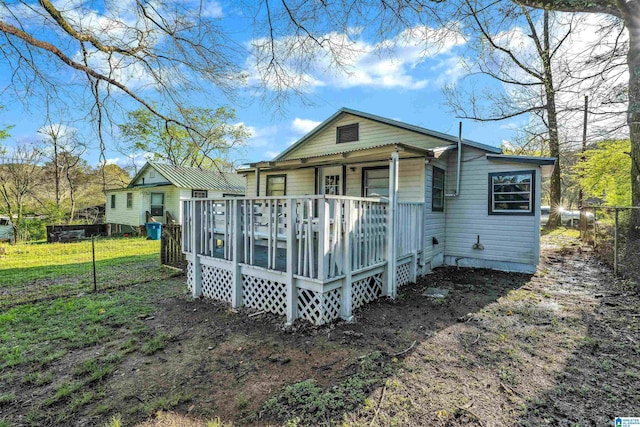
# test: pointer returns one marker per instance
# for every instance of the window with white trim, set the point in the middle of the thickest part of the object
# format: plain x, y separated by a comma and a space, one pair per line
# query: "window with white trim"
129, 200
199, 194
332, 184
375, 182
511, 193
437, 190
113, 201
157, 204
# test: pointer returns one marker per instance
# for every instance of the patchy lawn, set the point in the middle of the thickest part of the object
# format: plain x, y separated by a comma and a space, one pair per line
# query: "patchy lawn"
31, 272
556, 348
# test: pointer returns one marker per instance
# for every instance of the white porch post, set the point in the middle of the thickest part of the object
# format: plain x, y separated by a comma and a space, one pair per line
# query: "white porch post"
346, 309
235, 239
292, 250
196, 225
392, 260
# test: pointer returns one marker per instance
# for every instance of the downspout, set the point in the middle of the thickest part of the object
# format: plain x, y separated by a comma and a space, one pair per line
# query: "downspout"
457, 192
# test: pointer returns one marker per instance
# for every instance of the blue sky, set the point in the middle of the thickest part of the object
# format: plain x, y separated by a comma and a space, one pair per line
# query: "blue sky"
403, 84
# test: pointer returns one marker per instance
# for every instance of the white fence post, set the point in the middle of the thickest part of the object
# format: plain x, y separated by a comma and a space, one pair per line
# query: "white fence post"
292, 250
345, 306
196, 225
234, 240
391, 228
323, 222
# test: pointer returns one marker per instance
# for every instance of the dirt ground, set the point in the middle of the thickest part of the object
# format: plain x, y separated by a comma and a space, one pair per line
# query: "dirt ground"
556, 348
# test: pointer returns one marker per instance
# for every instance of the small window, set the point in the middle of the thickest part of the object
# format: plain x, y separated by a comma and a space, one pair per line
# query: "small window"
276, 185
129, 200
157, 204
199, 194
332, 184
375, 182
511, 193
347, 133
437, 190
113, 201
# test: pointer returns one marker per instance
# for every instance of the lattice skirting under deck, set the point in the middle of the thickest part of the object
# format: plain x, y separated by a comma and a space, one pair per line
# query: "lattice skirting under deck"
264, 294
217, 283
190, 276
319, 308
366, 290
403, 274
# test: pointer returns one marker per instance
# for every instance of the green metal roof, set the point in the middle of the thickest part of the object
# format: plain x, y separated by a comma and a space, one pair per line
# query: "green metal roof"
196, 178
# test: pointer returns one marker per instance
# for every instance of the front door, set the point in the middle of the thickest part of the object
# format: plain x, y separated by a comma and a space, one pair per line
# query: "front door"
331, 180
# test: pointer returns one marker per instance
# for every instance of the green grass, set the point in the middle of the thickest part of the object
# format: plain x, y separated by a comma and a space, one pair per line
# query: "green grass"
32, 272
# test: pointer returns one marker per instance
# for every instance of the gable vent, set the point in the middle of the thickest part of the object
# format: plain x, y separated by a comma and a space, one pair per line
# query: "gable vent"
347, 133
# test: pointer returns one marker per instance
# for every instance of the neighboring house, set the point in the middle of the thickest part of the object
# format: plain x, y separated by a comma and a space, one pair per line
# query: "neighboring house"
443, 200
156, 191
6, 229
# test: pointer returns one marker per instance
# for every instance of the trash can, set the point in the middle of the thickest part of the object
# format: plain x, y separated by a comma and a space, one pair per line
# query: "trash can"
154, 230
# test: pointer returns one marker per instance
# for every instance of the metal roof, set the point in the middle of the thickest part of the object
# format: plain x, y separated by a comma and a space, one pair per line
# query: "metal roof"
390, 122
196, 178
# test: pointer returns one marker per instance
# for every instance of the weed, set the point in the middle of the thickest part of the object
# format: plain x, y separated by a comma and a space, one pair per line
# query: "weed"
311, 403
115, 421
38, 378
80, 401
165, 403
65, 390
4, 423
242, 401
606, 364
7, 398
506, 375
155, 344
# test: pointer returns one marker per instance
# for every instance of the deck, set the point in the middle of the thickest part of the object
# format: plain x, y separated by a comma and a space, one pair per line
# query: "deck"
311, 257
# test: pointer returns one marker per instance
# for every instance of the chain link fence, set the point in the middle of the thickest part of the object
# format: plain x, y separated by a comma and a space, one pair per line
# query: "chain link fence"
614, 234
35, 271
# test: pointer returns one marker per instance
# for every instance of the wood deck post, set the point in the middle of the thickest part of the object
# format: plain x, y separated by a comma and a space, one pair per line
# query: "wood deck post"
292, 250
392, 260
323, 237
196, 226
234, 239
346, 309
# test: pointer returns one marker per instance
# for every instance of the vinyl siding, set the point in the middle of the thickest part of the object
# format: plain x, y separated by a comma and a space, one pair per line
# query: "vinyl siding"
135, 215
506, 238
302, 181
434, 222
148, 179
121, 214
370, 133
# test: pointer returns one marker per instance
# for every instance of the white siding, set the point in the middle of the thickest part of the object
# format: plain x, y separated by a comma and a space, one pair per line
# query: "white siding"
121, 214
434, 222
506, 238
147, 177
410, 179
370, 133
302, 181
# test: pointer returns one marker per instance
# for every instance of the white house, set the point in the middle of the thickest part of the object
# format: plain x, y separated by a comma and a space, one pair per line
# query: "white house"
156, 191
357, 207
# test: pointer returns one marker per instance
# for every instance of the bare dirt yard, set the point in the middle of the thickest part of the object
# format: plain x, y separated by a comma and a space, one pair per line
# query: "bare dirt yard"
558, 348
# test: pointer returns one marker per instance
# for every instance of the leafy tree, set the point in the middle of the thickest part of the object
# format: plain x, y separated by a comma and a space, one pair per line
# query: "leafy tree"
19, 179
605, 172
176, 145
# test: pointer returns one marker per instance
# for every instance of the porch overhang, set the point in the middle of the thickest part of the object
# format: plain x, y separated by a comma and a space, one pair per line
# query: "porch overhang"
372, 153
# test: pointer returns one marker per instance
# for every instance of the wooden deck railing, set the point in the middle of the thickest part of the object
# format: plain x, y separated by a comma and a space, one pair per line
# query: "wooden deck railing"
329, 232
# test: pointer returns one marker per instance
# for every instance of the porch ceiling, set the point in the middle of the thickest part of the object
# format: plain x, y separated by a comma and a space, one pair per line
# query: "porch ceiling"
368, 154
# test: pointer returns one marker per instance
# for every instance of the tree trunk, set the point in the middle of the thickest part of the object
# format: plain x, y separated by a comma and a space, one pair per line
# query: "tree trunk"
632, 22
555, 189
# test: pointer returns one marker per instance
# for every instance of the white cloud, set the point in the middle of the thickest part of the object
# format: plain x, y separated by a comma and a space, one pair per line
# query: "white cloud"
303, 126
261, 137
136, 160
271, 154
388, 64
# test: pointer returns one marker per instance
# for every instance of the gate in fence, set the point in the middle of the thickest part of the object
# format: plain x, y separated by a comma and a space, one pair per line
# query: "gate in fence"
171, 246
614, 233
